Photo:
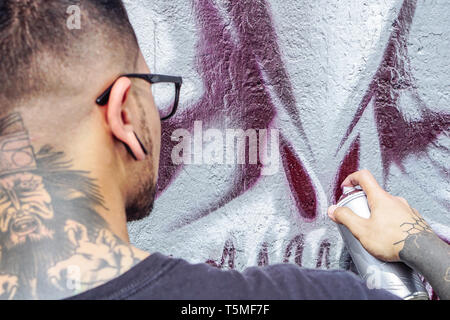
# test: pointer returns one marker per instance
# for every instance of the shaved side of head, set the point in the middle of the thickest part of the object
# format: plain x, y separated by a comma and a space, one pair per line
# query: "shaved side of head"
41, 57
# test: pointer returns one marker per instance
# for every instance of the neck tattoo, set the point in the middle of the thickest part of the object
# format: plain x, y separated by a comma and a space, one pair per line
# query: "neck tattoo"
53, 242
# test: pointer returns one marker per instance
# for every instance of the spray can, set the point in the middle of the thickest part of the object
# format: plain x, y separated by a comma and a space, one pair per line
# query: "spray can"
395, 277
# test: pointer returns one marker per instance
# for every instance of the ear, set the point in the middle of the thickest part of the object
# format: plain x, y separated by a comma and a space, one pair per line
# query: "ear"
119, 118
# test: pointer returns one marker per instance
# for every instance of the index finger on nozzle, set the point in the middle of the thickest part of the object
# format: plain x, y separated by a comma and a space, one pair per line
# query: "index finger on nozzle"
366, 180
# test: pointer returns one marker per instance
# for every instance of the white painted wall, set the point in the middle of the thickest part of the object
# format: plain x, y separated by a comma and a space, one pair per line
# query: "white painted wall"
331, 51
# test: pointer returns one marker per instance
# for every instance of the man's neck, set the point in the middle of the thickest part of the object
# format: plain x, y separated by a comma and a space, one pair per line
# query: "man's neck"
55, 240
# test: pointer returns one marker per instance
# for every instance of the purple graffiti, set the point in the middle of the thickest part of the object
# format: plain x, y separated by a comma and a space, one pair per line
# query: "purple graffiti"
398, 137
238, 73
227, 259
263, 255
295, 246
349, 165
294, 250
300, 183
324, 255
242, 70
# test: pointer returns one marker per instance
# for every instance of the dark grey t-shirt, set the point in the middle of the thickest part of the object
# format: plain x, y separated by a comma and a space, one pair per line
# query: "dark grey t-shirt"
161, 277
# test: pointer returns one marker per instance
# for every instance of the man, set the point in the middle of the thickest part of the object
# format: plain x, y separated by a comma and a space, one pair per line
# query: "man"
79, 155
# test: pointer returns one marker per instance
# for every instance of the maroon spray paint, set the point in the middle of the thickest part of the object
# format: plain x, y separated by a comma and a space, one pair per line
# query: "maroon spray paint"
398, 137
237, 76
300, 184
349, 165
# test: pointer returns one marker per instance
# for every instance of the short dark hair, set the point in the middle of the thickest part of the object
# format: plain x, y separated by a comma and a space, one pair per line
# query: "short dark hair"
37, 47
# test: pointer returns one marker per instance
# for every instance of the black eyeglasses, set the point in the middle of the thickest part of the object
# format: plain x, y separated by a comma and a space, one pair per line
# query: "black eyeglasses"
165, 100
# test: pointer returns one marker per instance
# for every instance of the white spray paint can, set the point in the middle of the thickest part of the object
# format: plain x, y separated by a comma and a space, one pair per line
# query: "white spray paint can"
395, 277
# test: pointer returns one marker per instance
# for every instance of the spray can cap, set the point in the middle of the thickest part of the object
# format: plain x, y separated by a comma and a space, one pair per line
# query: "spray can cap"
346, 190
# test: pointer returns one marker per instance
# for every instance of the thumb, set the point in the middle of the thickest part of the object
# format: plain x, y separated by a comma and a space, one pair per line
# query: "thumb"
348, 218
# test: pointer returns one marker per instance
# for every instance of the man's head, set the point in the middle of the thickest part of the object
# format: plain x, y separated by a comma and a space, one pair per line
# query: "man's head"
52, 74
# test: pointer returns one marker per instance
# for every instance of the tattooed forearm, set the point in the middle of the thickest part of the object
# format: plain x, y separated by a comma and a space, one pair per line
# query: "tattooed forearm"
429, 255
426, 253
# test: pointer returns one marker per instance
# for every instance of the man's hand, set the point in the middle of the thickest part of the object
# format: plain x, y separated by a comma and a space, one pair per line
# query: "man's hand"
391, 219
396, 232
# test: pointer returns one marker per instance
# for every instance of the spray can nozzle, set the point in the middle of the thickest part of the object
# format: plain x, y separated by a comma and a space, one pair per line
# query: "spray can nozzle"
346, 190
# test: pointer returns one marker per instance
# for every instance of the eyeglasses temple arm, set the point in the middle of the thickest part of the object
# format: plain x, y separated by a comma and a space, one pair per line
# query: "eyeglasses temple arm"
102, 100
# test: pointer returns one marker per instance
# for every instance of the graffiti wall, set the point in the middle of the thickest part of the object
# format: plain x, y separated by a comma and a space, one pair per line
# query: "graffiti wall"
281, 100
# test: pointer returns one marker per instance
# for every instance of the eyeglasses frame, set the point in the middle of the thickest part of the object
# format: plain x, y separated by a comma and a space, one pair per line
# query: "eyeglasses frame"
151, 78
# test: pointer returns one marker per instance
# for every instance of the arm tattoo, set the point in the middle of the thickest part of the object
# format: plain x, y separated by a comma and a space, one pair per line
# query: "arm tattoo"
426, 253
53, 242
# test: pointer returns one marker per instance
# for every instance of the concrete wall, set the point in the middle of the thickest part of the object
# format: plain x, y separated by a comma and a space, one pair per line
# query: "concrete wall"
349, 84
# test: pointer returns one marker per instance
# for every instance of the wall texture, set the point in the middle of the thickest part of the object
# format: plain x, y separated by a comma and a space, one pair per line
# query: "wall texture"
349, 84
